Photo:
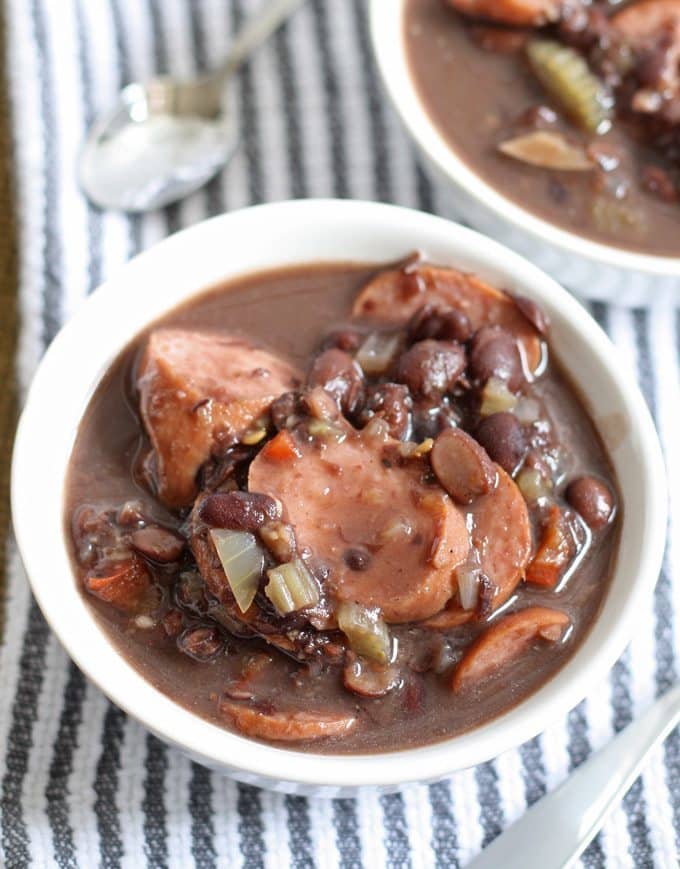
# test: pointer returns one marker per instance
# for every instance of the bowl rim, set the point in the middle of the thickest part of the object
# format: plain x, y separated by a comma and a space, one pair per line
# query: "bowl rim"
389, 47
91, 650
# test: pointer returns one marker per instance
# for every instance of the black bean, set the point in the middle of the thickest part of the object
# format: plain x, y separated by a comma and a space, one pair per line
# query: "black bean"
357, 559
462, 467
446, 324
431, 368
592, 499
658, 182
392, 402
533, 313
157, 543
502, 437
190, 593
494, 353
341, 377
348, 340
241, 511
431, 417
202, 644
287, 410
538, 117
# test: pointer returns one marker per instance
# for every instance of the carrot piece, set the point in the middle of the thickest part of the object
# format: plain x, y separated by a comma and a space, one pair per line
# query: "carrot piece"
123, 587
282, 448
505, 641
556, 550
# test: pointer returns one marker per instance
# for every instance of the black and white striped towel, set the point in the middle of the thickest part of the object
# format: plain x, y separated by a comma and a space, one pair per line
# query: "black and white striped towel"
84, 786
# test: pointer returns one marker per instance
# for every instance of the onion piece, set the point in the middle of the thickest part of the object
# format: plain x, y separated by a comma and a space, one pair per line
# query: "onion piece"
527, 410
533, 485
243, 562
468, 586
496, 397
321, 428
366, 631
291, 587
378, 352
548, 150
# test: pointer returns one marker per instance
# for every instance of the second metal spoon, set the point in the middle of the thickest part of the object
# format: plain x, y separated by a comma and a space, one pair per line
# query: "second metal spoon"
553, 833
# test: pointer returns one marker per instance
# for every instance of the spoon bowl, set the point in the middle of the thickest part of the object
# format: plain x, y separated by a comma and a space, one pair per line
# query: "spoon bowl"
165, 139
161, 142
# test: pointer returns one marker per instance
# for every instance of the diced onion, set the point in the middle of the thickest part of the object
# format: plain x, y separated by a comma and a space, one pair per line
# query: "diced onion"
291, 587
527, 410
279, 538
496, 397
411, 450
243, 563
366, 631
325, 430
548, 150
468, 586
396, 529
377, 353
532, 484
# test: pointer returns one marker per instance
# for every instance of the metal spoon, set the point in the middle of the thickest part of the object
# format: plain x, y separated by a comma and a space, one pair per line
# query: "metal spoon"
167, 138
553, 833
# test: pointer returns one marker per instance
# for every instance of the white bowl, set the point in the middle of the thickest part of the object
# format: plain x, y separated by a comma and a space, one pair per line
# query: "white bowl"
591, 269
285, 234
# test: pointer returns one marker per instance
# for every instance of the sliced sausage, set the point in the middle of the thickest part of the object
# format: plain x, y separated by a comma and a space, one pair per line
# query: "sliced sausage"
501, 534
394, 296
198, 390
287, 726
349, 494
452, 617
647, 19
519, 13
505, 641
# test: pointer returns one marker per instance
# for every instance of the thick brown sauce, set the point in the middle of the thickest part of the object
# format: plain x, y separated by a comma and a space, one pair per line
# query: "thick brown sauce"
289, 311
445, 62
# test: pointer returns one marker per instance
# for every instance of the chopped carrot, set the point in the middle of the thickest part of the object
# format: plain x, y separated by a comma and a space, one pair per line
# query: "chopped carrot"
124, 586
282, 448
556, 550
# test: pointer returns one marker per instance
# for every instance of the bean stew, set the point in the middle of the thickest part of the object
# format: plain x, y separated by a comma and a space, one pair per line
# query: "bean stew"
333, 505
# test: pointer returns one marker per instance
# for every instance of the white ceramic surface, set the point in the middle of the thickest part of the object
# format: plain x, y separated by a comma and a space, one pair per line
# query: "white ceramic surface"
588, 268
301, 232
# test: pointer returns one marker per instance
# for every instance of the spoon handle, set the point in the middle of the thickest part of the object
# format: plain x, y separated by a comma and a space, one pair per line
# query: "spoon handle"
555, 831
258, 29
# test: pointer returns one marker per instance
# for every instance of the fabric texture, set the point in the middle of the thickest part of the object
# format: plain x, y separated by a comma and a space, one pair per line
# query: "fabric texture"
81, 784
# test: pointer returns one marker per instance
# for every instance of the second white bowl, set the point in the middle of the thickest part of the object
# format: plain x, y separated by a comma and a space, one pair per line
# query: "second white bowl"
588, 268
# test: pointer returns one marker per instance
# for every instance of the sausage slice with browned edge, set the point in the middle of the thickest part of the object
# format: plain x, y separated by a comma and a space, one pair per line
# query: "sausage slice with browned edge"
395, 295
197, 391
352, 495
286, 726
500, 533
506, 640
518, 13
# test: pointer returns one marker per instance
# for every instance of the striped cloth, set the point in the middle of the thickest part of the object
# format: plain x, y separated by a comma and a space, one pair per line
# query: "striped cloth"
82, 785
